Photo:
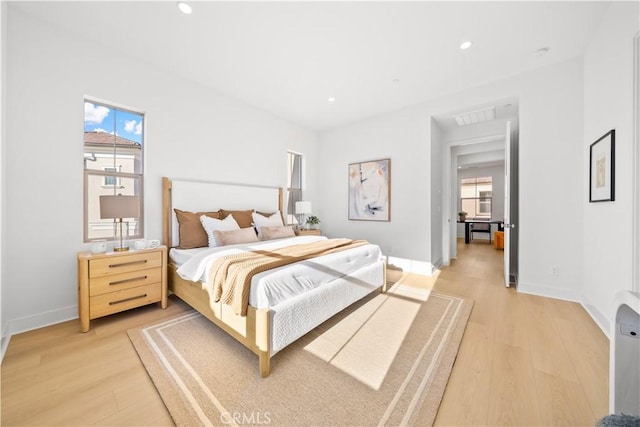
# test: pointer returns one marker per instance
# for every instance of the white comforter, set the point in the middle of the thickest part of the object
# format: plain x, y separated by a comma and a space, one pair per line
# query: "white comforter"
277, 285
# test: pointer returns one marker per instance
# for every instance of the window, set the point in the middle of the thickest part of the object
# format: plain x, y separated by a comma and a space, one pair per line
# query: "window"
476, 197
113, 164
294, 185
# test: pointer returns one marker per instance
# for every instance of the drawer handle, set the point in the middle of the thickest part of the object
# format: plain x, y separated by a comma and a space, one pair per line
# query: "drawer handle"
133, 279
127, 299
144, 261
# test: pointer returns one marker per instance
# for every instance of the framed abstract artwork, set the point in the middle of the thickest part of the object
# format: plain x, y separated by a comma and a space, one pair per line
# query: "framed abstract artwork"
602, 168
370, 190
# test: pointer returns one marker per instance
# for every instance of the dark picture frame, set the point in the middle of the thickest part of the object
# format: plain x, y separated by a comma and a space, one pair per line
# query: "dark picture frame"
370, 190
602, 168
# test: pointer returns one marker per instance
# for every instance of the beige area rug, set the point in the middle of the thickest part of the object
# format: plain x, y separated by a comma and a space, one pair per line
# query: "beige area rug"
383, 361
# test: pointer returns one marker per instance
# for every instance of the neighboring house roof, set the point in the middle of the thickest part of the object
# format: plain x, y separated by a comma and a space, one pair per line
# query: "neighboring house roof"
105, 138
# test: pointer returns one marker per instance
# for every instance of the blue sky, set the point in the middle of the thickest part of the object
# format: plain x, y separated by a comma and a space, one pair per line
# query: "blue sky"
107, 119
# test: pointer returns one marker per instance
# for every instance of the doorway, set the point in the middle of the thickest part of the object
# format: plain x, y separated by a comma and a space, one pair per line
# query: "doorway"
472, 142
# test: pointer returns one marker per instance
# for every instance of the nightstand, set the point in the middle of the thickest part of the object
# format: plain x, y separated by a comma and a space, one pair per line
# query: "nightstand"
316, 232
116, 281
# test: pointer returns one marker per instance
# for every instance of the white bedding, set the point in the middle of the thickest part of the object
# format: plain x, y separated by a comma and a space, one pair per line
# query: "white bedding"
275, 286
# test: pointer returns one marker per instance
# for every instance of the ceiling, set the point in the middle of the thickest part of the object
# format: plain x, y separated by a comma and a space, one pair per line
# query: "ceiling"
289, 58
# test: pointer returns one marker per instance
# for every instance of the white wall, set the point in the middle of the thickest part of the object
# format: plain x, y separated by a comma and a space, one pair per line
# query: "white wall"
437, 193
192, 132
4, 330
608, 89
551, 145
404, 137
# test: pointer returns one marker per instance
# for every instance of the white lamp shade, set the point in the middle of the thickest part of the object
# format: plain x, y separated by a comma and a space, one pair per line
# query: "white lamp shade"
303, 208
119, 207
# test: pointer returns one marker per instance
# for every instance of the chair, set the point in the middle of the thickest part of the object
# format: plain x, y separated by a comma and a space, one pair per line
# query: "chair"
481, 228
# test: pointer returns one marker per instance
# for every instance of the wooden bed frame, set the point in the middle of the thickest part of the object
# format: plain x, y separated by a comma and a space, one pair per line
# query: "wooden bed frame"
252, 330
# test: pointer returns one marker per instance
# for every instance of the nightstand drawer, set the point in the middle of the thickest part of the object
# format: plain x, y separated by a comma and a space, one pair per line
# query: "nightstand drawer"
122, 264
130, 279
113, 302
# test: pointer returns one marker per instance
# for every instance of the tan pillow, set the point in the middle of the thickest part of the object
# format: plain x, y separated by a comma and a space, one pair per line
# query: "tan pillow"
190, 230
243, 218
231, 237
270, 233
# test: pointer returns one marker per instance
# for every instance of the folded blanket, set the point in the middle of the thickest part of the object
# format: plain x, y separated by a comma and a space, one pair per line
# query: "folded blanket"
231, 275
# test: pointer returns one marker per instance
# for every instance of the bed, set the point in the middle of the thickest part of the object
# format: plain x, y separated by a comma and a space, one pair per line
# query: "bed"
284, 303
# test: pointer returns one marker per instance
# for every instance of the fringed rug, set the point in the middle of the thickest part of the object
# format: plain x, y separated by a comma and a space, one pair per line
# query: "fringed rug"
383, 361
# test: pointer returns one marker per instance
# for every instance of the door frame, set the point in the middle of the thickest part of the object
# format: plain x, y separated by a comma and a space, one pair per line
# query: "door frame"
449, 203
635, 286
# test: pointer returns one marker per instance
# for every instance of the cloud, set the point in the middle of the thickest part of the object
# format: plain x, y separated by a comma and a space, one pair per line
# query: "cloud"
102, 130
94, 113
133, 126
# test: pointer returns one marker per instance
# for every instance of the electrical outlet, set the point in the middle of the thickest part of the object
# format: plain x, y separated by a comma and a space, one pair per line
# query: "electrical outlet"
555, 271
630, 330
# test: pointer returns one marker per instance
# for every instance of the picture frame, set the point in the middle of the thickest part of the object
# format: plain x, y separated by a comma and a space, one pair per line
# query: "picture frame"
602, 168
370, 190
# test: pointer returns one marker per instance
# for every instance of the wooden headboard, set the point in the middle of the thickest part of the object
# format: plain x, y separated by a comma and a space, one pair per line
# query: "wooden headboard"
206, 196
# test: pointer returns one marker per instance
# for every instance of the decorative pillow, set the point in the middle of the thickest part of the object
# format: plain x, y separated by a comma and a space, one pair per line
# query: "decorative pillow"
190, 231
231, 237
243, 218
211, 224
260, 221
270, 233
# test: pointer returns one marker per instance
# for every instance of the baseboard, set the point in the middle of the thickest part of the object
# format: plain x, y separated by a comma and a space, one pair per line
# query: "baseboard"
601, 320
4, 342
41, 320
549, 291
567, 295
411, 265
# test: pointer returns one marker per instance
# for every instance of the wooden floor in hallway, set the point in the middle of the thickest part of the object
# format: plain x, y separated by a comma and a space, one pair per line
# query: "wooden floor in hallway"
524, 360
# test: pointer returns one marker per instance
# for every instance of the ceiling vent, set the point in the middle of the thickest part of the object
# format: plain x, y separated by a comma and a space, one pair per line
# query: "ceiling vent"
473, 117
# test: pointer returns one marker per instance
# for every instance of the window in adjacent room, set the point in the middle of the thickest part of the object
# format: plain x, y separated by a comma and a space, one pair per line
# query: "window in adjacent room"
113, 164
476, 197
294, 185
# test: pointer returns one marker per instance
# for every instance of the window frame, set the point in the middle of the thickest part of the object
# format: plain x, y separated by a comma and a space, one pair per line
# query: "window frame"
479, 198
137, 178
290, 207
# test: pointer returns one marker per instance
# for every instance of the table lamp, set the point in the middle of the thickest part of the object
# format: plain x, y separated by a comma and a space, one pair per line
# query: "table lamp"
302, 208
119, 207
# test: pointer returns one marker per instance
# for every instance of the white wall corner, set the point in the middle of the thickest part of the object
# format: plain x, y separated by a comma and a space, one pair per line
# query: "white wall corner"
4, 341
603, 322
567, 294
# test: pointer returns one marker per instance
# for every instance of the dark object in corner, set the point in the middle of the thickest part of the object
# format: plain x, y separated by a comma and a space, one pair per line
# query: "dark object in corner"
619, 420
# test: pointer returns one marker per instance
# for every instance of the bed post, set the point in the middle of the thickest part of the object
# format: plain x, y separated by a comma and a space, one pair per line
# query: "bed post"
166, 212
263, 340
384, 277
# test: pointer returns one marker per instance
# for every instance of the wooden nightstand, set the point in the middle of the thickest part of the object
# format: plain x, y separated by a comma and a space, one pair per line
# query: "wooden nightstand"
316, 232
116, 281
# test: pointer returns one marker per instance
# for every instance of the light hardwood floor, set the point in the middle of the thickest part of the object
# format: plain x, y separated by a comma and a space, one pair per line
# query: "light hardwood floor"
524, 360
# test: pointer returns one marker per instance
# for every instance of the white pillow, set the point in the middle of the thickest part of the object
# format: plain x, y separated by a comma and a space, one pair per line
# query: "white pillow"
211, 224
275, 220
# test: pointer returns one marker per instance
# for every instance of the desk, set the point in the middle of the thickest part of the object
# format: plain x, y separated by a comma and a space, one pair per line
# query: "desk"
467, 226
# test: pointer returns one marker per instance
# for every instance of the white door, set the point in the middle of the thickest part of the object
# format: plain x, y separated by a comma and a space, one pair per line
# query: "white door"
507, 189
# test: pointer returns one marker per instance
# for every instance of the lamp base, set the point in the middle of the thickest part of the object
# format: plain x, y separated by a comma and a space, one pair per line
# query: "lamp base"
121, 249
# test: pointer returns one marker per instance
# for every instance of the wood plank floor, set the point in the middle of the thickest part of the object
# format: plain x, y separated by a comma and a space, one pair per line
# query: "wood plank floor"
524, 360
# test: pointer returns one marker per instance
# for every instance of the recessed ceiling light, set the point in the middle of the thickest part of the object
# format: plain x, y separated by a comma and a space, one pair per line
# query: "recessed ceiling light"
184, 8
332, 99
542, 51
465, 45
